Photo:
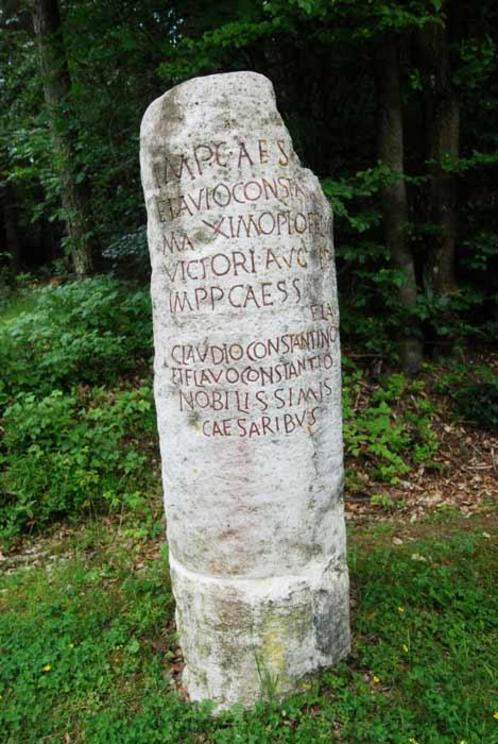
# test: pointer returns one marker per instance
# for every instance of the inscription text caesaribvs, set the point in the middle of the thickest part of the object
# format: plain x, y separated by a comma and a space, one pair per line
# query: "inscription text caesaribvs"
262, 386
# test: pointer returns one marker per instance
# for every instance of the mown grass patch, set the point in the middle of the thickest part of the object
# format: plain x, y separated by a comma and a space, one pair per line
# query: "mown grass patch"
86, 645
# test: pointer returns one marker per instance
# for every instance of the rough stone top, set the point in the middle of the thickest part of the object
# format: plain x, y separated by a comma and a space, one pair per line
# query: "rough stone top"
236, 97
225, 89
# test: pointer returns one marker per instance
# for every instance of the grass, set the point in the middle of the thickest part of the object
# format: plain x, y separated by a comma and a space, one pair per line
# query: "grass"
87, 642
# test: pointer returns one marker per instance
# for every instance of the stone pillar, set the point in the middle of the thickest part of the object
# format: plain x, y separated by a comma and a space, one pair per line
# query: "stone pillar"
247, 388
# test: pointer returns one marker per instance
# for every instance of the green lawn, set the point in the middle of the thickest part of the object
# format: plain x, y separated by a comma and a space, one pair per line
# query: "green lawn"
87, 639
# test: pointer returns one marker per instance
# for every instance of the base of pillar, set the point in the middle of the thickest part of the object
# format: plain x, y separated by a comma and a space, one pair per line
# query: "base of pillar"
244, 639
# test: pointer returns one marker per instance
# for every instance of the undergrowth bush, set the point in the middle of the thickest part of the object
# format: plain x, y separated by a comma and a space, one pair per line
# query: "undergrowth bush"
76, 438
474, 392
478, 403
91, 331
66, 454
394, 431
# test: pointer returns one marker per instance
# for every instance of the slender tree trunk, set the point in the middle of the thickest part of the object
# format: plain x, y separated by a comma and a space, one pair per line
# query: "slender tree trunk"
57, 86
394, 197
443, 135
9, 219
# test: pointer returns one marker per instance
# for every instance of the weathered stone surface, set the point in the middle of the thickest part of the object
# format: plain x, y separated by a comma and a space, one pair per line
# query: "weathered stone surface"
247, 386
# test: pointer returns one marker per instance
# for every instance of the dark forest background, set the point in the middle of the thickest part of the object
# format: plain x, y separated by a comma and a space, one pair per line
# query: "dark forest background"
393, 104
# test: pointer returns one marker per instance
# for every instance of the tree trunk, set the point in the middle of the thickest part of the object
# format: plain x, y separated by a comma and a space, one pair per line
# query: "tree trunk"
443, 135
9, 219
394, 197
56, 87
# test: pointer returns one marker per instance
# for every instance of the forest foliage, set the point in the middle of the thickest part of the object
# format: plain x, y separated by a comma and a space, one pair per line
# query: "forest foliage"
392, 104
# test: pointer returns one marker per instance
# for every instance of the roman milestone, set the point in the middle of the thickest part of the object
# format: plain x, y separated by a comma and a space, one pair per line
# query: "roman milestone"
247, 390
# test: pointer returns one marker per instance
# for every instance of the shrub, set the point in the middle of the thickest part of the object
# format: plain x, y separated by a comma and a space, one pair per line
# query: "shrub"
67, 454
393, 430
478, 403
89, 332
474, 391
